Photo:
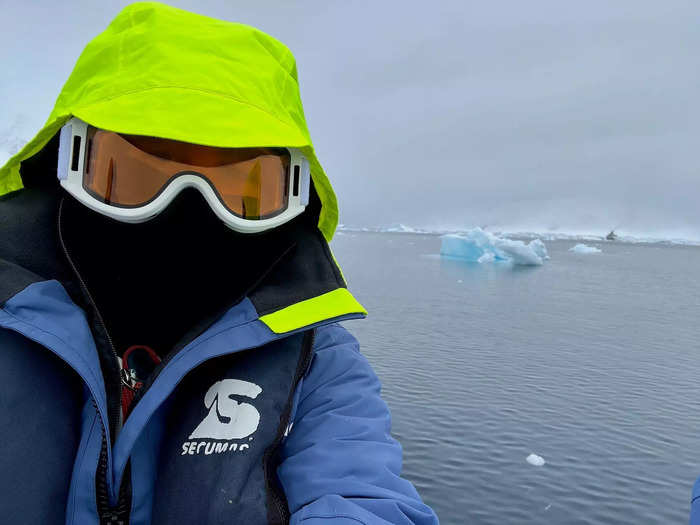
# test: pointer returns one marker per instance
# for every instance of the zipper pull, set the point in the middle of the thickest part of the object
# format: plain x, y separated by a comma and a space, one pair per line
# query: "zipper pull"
128, 377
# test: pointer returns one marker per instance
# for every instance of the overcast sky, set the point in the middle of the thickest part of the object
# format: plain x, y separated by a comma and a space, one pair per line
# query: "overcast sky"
541, 115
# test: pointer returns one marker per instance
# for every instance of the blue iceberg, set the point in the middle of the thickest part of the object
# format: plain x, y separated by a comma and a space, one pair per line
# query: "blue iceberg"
481, 247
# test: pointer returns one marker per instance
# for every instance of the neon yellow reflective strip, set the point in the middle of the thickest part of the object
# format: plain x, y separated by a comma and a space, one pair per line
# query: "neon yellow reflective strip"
327, 306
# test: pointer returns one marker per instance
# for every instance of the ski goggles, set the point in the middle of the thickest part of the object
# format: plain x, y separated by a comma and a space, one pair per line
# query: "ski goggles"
132, 178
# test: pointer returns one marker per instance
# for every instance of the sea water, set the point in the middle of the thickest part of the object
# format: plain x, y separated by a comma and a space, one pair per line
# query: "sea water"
590, 363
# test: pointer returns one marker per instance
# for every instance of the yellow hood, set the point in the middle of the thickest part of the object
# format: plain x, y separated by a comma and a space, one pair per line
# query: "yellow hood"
164, 72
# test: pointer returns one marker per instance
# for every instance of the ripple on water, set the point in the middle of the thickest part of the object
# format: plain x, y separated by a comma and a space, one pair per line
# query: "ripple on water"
586, 365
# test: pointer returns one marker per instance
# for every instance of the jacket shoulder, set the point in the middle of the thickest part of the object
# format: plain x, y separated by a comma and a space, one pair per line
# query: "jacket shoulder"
334, 336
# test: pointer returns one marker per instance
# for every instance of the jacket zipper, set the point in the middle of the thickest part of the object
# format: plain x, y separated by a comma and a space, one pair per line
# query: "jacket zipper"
113, 415
118, 514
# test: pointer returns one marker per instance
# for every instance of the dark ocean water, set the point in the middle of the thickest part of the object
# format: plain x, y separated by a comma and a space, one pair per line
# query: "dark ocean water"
591, 361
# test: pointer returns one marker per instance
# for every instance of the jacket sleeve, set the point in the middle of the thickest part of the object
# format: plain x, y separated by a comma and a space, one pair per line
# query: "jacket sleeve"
339, 464
695, 504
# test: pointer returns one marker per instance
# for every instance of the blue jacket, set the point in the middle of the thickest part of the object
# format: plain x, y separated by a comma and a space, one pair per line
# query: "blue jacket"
335, 462
338, 460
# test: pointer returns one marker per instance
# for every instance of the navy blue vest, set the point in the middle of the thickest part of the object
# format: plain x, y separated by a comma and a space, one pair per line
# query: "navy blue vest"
224, 424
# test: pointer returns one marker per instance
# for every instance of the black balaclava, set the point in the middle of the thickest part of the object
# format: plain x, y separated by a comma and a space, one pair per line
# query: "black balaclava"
157, 281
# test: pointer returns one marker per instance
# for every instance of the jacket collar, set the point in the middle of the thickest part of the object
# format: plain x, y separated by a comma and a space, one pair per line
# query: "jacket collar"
304, 287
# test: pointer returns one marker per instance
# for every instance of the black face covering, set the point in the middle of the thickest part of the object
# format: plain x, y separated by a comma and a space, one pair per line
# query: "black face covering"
156, 282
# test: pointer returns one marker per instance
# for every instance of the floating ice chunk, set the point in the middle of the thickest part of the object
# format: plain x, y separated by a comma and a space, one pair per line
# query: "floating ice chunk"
519, 252
471, 246
584, 248
483, 247
535, 460
539, 248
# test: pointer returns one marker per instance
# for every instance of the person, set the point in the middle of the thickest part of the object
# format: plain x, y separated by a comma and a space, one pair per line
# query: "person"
169, 342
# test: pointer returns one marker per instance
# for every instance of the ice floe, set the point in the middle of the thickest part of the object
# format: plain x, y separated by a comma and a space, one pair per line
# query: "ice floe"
584, 248
535, 460
480, 246
401, 228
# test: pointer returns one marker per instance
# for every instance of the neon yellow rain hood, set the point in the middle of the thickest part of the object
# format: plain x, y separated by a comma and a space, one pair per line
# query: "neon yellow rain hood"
228, 85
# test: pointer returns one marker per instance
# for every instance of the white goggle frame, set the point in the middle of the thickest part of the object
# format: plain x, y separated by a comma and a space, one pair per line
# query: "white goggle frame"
71, 168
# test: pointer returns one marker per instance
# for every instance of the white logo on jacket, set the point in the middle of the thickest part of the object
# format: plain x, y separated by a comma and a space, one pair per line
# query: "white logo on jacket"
226, 420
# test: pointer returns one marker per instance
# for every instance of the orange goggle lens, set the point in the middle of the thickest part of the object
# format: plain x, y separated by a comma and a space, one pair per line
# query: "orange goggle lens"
129, 171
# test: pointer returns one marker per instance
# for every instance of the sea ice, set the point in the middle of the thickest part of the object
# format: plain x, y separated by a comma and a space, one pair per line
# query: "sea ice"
400, 228
584, 248
479, 246
535, 460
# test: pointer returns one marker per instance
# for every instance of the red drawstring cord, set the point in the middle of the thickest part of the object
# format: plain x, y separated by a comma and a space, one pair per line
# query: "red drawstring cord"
129, 390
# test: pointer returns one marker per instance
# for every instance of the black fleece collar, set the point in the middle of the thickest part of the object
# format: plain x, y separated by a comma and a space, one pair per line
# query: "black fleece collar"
163, 282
